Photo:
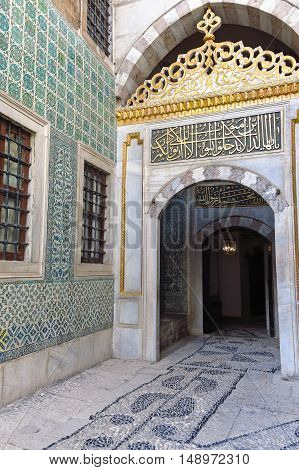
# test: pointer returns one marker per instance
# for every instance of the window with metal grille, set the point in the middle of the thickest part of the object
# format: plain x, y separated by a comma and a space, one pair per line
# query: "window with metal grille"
14, 181
99, 23
94, 209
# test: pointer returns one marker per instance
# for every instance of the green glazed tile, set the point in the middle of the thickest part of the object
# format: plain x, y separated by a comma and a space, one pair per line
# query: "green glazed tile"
3, 61
27, 100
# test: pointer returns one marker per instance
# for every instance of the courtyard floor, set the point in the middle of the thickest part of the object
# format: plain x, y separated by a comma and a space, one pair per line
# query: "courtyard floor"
220, 392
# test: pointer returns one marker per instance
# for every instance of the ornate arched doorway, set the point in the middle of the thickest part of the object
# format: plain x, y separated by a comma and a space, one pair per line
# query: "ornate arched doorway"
248, 210
221, 113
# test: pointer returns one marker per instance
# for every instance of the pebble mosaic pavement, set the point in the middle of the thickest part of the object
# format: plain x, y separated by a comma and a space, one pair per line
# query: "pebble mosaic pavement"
194, 398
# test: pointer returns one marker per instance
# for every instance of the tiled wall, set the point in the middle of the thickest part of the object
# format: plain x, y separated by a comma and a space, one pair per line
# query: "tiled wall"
46, 66
173, 284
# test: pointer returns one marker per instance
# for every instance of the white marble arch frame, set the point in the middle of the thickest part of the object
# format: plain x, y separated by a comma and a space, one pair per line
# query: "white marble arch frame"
250, 223
284, 249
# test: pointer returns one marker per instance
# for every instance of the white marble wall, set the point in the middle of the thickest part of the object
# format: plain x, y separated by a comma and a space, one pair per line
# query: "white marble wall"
127, 338
276, 169
27, 374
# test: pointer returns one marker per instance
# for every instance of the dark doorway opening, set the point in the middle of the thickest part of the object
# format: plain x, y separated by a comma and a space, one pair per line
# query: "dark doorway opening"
237, 281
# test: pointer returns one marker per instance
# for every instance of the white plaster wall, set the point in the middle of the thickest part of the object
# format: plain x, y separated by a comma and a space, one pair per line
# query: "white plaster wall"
133, 244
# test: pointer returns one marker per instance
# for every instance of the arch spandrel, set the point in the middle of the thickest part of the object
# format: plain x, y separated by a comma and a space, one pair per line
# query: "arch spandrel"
214, 73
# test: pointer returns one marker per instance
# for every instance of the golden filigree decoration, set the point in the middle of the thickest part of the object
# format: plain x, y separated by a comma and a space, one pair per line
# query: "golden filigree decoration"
213, 70
209, 24
129, 116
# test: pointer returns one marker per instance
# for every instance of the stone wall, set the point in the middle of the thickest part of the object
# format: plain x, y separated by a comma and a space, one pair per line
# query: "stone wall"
71, 10
47, 67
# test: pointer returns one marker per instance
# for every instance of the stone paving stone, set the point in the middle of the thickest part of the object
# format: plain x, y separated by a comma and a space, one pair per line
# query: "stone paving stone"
218, 427
281, 436
254, 419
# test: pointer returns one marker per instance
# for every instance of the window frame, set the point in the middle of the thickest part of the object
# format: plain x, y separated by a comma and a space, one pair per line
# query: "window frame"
93, 221
18, 192
32, 267
92, 270
106, 60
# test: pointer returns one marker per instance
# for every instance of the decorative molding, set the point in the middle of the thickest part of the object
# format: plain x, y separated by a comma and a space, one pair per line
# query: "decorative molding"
34, 262
214, 74
295, 203
90, 270
215, 69
163, 32
126, 116
126, 144
262, 186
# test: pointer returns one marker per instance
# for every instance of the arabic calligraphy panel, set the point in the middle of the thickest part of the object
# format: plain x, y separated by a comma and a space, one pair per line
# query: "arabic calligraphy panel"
225, 195
236, 136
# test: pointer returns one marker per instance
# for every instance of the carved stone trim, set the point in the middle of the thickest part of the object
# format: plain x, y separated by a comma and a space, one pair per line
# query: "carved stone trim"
257, 183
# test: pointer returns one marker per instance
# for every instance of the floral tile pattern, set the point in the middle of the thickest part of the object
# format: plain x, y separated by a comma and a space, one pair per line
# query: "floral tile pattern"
46, 314
173, 284
46, 66
62, 196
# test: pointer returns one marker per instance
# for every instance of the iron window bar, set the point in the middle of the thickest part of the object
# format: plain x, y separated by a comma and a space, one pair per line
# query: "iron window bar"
14, 159
94, 207
14, 182
99, 23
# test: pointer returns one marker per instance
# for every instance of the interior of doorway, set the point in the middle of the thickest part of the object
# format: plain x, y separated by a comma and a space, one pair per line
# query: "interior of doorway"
238, 282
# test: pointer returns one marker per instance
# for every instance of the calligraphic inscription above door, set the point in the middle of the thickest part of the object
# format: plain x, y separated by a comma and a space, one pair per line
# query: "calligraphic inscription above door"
226, 195
259, 133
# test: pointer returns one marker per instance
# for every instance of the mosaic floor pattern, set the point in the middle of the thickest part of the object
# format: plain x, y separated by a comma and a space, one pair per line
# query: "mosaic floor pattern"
170, 411
243, 352
171, 408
